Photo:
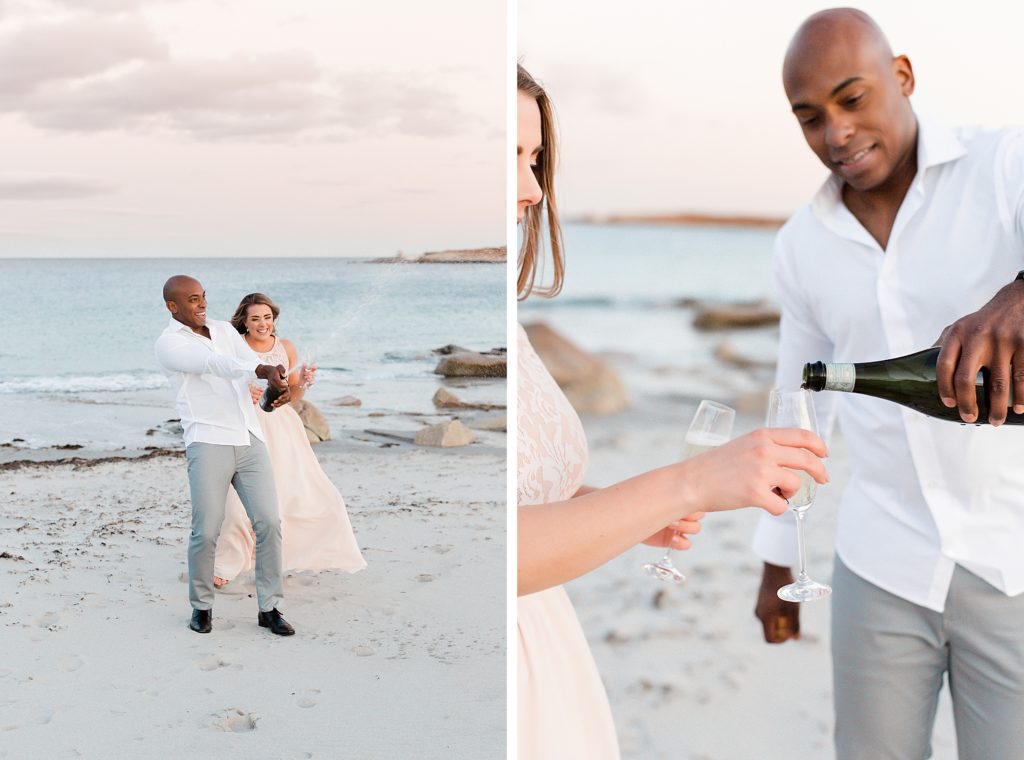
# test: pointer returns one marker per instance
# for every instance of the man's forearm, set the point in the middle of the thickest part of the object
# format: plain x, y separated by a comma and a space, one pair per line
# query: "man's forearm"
198, 360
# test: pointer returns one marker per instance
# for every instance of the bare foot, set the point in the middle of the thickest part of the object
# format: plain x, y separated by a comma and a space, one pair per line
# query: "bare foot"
218, 582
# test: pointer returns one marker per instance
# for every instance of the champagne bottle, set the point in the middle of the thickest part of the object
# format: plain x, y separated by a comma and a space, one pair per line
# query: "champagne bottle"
270, 395
907, 380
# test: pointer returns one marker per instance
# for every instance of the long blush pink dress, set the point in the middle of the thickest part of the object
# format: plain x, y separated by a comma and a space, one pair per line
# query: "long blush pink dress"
563, 707
315, 530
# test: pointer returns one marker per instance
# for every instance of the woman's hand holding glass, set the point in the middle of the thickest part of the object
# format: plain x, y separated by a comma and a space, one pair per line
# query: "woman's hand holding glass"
746, 471
675, 536
760, 469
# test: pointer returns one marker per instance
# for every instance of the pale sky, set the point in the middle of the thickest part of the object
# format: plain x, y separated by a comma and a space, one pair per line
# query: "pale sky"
676, 105
251, 127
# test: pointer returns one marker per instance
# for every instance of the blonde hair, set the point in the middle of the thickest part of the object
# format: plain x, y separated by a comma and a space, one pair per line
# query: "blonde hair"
531, 252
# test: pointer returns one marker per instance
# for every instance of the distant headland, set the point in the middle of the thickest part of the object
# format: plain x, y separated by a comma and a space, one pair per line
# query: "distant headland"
463, 256
707, 220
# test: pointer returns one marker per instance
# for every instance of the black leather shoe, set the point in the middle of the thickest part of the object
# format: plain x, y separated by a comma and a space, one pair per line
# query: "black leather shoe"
202, 621
275, 623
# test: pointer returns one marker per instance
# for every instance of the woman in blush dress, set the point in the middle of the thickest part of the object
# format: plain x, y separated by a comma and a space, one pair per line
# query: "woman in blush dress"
567, 529
315, 529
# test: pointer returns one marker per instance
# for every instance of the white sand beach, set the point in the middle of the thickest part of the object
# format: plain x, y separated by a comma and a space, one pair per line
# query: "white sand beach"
686, 668
405, 659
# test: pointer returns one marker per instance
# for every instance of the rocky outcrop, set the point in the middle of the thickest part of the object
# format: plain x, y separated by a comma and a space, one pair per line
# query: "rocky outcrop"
589, 383
463, 363
497, 423
466, 256
460, 256
445, 399
726, 316
316, 426
445, 435
347, 401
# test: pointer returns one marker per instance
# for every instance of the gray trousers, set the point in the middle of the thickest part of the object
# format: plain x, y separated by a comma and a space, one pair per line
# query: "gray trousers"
889, 657
211, 468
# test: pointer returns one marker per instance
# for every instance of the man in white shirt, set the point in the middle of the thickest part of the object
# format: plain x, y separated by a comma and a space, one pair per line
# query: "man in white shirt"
917, 225
209, 365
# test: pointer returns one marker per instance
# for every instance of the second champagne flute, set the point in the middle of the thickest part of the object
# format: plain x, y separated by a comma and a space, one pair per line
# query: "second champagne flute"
710, 428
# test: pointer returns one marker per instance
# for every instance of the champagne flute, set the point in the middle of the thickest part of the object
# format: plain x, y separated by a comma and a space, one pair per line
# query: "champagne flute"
711, 427
308, 368
793, 409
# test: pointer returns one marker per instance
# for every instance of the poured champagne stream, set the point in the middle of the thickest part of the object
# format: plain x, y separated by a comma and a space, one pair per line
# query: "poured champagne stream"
907, 380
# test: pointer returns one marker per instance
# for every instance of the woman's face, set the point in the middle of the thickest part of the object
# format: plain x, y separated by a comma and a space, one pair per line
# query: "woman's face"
259, 321
528, 147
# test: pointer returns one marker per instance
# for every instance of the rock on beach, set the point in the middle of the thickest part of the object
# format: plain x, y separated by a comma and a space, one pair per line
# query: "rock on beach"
445, 399
317, 429
444, 435
464, 363
589, 383
726, 316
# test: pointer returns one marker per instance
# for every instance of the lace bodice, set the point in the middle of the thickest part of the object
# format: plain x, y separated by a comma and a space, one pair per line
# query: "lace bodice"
276, 355
552, 445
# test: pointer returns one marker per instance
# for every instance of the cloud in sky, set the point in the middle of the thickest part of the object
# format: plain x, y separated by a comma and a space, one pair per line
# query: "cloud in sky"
28, 187
101, 73
250, 127
373, 102
35, 55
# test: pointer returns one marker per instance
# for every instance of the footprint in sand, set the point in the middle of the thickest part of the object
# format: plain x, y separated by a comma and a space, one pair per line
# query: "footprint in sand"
70, 663
309, 700
424, 577
214, 662
364, 651
234, 720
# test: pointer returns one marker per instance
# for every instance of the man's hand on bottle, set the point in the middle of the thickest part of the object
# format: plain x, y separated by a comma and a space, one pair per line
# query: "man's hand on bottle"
276, 378
992, 337
781, 620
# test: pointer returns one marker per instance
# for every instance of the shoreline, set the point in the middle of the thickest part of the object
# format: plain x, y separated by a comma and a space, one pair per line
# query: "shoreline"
129, 424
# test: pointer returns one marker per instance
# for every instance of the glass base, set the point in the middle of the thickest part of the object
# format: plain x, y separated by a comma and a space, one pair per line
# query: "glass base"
804, 591
664, 572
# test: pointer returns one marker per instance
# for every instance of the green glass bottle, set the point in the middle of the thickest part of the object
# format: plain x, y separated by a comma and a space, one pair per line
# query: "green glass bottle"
907, 380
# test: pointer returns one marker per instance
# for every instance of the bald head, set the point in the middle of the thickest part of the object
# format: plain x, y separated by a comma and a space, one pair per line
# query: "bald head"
836, 27
177, 285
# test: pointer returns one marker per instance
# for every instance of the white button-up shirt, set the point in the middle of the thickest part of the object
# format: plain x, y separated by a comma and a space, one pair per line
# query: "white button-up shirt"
210, 381
924, 494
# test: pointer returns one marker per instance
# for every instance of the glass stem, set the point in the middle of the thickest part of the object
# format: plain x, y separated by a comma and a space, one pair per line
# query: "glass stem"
800, 545
667, 559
